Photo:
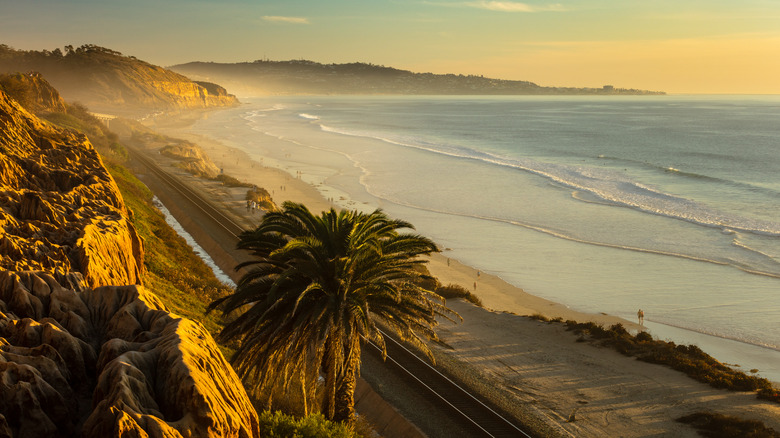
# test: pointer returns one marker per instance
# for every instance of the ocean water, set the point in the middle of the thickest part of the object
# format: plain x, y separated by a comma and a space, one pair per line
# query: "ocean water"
606, 204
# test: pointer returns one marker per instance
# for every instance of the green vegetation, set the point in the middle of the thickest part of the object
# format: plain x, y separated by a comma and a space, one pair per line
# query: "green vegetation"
278, 424
185, 284
173, 271
724, 426
688, 359
315, 292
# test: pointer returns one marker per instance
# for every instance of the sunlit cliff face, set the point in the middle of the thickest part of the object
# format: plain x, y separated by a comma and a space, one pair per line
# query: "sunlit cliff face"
84, 349
60, 205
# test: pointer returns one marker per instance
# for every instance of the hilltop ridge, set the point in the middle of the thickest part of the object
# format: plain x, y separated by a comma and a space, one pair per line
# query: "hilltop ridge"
307, 77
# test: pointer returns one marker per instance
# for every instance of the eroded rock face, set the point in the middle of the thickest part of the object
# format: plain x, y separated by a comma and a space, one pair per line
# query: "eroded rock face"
191, 158
146, 370
60, 207
85, 350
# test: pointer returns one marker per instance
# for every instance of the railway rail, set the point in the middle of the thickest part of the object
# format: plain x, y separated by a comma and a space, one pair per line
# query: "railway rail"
475, 415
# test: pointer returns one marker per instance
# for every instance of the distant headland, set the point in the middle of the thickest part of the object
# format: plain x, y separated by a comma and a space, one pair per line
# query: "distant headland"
264, 77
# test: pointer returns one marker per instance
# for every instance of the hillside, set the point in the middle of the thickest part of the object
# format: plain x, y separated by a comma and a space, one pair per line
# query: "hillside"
107, 81
85, 348
307, 77
33, 92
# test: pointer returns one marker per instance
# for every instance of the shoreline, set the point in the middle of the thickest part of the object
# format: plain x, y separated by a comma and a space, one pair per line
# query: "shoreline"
496, 294
539, 363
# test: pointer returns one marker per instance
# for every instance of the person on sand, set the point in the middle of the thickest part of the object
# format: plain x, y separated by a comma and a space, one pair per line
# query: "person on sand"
641, 315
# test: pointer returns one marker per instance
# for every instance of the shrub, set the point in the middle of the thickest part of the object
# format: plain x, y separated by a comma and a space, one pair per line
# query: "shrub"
230, 181
688, 359
539, 317
771, 394
458, 291
725, 426
644, 337
278, 424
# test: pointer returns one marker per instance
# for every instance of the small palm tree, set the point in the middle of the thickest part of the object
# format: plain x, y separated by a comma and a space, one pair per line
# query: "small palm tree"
314, 293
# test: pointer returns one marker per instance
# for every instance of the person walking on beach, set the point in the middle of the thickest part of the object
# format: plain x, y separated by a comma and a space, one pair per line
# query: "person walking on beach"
641, 315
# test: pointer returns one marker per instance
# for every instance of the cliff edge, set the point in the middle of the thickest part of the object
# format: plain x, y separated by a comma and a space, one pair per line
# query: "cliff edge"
85, 349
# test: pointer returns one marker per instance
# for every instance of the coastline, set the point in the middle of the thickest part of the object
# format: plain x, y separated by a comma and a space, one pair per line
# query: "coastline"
495, 293
543, 366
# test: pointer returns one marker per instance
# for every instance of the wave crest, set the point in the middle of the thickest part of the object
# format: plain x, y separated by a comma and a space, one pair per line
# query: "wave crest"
607, 185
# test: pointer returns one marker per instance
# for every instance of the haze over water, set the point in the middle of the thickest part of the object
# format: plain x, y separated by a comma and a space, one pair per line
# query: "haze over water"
606, 204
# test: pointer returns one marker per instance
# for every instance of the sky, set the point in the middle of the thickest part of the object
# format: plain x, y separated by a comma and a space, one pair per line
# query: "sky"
677, 46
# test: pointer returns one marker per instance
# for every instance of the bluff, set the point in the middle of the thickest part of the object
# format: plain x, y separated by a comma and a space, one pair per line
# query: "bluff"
85, 348
33, 92
307, 77
107, 81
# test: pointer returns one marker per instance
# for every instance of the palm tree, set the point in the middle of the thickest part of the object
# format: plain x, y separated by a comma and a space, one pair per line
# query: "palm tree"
314, 293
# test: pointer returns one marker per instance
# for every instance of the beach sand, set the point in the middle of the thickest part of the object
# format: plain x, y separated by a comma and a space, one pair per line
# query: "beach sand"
583, 390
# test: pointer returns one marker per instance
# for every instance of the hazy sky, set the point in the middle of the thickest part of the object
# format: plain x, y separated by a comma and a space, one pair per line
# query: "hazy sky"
678, 46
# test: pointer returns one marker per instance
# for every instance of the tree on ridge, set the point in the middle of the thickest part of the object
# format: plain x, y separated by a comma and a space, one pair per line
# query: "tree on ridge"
315, 290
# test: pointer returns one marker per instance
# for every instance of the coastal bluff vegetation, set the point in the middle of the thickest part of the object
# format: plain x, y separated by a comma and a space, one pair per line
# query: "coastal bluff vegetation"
107, 81
263, 77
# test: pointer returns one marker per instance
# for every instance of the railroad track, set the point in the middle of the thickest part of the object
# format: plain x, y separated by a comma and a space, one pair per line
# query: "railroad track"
475, 415
213, 212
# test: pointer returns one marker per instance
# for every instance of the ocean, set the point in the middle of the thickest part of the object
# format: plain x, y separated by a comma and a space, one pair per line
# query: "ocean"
606, 204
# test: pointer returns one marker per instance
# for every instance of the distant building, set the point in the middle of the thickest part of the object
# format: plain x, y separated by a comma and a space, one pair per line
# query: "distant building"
608, 88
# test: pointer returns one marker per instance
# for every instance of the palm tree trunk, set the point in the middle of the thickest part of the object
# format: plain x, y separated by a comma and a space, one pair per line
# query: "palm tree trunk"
345, 395
304, 394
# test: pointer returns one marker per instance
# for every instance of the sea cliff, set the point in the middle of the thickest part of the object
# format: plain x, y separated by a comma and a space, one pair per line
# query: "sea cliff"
108, 81
86, 349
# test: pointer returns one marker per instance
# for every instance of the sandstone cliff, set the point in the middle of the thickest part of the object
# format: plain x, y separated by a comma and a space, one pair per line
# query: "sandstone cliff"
191, 158
106, 81
60, 207
85, 350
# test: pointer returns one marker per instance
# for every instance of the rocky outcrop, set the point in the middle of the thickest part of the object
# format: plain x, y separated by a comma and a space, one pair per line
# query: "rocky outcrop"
61, 210
149, 372
85, 350
191, 158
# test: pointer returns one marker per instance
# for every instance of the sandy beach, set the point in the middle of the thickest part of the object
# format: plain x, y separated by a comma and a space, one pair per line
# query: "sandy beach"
583, 390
